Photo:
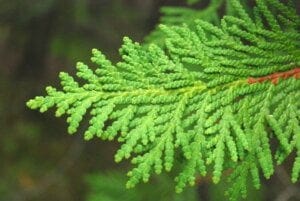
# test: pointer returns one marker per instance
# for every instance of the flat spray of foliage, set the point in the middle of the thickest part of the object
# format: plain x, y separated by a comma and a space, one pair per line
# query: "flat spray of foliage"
212, 100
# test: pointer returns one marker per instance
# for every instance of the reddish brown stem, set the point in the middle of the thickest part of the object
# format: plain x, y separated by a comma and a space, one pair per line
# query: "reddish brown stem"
276, 76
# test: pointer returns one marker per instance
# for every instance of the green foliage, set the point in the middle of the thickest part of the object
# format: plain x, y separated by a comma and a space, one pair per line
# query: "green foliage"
193, 102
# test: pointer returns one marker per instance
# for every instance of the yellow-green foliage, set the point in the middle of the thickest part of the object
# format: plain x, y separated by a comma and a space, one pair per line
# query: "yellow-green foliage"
191, 102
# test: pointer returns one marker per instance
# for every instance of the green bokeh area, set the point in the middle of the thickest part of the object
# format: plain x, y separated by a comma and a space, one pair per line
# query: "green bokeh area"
109, 186
39, 161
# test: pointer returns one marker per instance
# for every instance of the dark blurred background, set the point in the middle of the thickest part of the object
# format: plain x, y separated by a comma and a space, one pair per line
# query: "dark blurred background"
40, 38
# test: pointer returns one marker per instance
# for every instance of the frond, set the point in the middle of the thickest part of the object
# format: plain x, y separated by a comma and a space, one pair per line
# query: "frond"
216, 96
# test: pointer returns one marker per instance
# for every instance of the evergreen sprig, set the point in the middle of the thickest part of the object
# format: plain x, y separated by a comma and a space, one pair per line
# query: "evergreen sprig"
213, 99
